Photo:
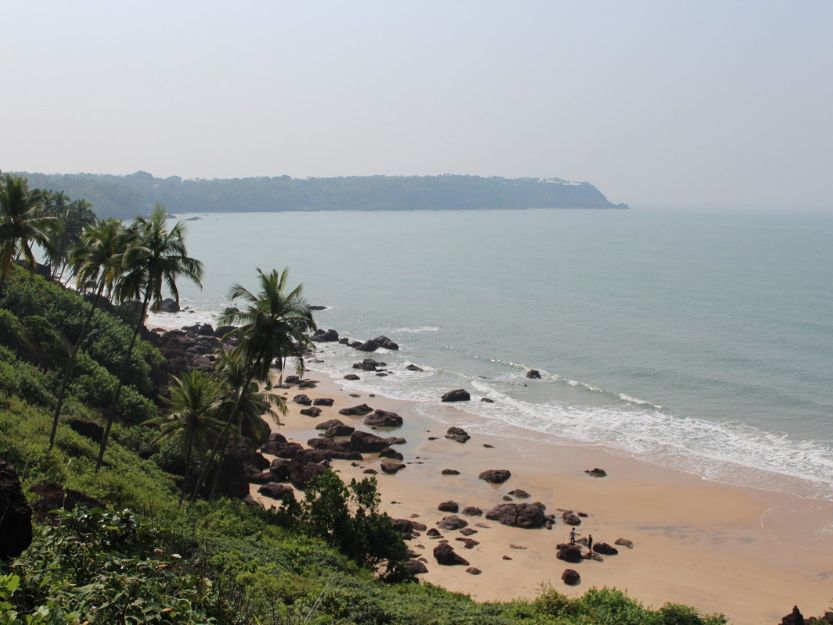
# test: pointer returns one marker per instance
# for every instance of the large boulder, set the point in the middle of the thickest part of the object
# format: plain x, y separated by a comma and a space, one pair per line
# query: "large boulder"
495, 476
390, 452
415, 567
457, 434
391, 467
569, 553
571, 577
525, 515
385, 343
15, 514
383, 419
325, 336
168, 305
340, 429
605, 549
281, 450
302, 399
368, 346
571, 518
448, 506
458, 394
312, 411
452, 522
445, 555
302, 472
356, 411
365, 442
323, 401
277, 491
793, 618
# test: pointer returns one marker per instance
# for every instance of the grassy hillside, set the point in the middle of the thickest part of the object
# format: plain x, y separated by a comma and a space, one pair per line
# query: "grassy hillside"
142, 558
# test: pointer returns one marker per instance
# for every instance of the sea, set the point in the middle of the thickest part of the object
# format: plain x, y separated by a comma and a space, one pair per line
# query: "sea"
698, 340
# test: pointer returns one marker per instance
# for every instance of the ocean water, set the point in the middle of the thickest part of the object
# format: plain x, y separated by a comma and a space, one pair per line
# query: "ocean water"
699, 341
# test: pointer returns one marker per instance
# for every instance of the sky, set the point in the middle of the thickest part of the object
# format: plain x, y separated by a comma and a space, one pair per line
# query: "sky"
672, 103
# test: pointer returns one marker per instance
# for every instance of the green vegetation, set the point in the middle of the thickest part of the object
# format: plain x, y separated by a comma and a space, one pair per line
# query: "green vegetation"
116, 545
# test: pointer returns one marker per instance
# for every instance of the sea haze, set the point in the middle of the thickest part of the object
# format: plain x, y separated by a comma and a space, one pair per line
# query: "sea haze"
703, 342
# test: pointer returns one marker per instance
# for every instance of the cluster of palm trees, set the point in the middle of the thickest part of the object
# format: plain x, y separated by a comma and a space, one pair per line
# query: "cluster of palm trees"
136, 262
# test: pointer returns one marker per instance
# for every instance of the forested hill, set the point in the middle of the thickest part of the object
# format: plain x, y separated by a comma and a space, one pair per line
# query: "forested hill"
135, 194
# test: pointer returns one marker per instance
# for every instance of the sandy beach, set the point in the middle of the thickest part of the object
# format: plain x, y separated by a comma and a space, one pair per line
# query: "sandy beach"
749, 554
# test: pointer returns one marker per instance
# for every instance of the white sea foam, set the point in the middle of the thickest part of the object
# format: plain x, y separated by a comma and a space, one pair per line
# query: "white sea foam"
416, 329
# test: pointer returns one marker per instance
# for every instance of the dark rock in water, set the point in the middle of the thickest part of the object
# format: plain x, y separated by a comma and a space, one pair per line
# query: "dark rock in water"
351, 376
391, 467
597, 472
311, 411
356, 411
356, 344
316, 307
307, 384
624, 542
569, 553
457, 434
495, 476
487, 400
605, 549
533, 374
525, 515
488, 446
390, 452
571, 518
519, 494
15, 514
385, 343
368, 346
383, 419
793, 618
344, 340
325, 336
365, 442
445, 555
413, 367
355, 395
448, 506
277, 491
86, 428
168, 305
415, 567
395, 440
473, 570
452, 523
368, 364
472, 511
450, 472
571, 577
457, 395
323, 401
381, 374
303, 400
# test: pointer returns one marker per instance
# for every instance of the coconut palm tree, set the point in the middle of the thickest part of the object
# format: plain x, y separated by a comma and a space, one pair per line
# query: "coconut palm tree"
274, 326
155, 259
95, 260
71, 219
21, 224
195, 398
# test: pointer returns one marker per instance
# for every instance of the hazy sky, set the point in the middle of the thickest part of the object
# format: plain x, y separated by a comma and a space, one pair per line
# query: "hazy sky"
699, 103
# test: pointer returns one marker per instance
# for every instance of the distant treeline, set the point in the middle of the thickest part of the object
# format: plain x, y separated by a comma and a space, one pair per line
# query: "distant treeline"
135, 194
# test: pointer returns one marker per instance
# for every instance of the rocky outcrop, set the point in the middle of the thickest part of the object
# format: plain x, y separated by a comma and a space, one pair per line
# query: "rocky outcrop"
391, 467
525, 515
457, 434
351, 376
413, 367
448, 506
495, 476
533, 374
356, 411
302, 472
383, 419
368, 346
323, 401
15, 514
302, 399
452, 522
390, 452
277, 491
385, 343
571, 577
338, 429
365, 442
458, 394
605, 549
325, 336
368, 364
415, 567
571, 518
168, 305
569, 553
445, 555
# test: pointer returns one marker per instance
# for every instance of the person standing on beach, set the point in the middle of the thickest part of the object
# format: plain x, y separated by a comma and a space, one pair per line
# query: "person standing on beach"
573, 536
590, 543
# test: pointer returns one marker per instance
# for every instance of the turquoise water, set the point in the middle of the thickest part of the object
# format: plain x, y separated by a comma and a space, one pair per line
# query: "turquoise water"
702, 341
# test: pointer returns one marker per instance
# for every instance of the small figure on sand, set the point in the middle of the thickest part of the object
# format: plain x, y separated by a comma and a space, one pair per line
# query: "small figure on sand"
573, 536
590, 543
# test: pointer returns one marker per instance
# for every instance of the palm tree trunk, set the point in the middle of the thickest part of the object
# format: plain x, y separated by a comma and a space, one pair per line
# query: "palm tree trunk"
222, 435
187, 469
216, 481
122, 375
67, 373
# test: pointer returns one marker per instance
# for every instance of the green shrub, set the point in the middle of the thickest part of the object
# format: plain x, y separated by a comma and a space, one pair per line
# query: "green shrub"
12, 332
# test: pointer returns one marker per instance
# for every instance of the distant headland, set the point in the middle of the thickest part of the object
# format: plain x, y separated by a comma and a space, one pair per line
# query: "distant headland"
135, 194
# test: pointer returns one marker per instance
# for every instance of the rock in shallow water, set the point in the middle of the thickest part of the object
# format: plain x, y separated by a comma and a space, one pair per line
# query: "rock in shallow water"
458, 394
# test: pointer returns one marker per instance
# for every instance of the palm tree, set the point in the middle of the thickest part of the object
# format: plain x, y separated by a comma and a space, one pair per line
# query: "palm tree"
194, 400
156, 258
254, 404
21, 224
275, 326
95, 260
71, 219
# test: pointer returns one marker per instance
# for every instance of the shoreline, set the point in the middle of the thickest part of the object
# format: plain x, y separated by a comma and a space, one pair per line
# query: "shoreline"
699, 542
